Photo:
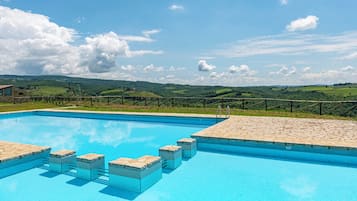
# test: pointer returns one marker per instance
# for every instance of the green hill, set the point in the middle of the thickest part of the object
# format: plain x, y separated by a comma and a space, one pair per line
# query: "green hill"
72, 86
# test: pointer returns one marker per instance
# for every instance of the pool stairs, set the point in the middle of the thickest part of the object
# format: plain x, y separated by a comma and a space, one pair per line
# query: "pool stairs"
136, 175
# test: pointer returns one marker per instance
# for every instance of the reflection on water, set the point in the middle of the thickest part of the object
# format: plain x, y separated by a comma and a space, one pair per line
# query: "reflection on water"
90, 135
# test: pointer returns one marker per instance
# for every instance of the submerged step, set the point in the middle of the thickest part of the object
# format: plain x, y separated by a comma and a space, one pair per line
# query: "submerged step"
189, 147
61, 161
16, 157
135, 174
89, 166
171, 156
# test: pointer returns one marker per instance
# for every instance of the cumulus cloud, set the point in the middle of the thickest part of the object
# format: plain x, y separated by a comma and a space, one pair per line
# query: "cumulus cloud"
204, 66
285, 71
153, 68
100, 52
32, 44
242, 69
302, 24
176, 7
127, 68
347, 68
306, 69
340, 75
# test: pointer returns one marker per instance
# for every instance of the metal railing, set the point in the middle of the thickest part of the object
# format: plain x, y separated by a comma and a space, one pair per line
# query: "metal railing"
341, 108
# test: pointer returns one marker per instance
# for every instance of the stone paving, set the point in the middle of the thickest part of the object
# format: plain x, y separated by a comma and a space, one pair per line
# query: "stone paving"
336, 133
11, 150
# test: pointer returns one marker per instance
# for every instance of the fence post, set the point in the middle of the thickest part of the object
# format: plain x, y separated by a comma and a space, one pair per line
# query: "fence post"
145, 102
320, 104
107, 100
122, 100
204, 103
91, 101
172, 102
266, 104
158, 102
243, 104
291, 106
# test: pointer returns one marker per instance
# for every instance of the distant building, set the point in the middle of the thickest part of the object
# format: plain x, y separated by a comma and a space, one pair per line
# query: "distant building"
6, 90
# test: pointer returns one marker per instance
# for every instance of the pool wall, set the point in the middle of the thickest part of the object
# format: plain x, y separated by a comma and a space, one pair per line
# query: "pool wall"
205, 121
309, 153
16, 165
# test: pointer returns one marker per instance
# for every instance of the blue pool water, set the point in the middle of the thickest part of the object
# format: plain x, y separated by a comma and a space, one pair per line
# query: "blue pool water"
208, 176
114, 136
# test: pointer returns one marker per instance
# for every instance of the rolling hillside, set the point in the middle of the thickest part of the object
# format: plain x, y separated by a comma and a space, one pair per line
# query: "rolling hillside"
70, 86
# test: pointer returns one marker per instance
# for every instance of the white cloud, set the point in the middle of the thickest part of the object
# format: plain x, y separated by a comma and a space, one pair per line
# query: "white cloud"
173, 69
130, 38
306, 69
134, 53
302, 24
347, 68
100, 52
149, 33
284, 2
350, 56
205, 58
285, 71
153, 68
146, 37
176, 7
204, 66
127, 68
242, 69
291, 44
215, 75
32, 44
340, 75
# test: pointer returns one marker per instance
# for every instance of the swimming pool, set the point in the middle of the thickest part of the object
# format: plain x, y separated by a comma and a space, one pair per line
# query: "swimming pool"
112, 135
210, 175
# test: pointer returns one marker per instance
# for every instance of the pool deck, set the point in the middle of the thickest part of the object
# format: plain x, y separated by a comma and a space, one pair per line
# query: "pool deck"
11, 150
320, 132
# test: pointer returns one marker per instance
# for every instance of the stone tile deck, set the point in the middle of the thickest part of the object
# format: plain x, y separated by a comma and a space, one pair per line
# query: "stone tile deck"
11, 150
336, 133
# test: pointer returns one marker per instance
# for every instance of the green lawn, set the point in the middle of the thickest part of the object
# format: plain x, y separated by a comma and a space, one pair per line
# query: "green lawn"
181, 91
223, 91
112, 92
48, 91
6, 107
330, 90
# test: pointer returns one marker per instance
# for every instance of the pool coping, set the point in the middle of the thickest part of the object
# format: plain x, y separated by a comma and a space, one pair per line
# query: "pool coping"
214, 134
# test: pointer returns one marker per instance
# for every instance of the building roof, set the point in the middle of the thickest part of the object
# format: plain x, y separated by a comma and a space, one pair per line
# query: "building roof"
5, 86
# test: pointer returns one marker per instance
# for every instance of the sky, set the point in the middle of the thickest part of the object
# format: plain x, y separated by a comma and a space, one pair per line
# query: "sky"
201, 42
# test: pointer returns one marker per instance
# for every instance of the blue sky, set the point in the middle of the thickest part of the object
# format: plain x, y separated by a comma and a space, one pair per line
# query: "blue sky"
226, 42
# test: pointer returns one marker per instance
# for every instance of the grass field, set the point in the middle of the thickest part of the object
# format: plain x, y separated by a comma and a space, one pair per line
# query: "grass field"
330, 90
48, 91
6, 107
